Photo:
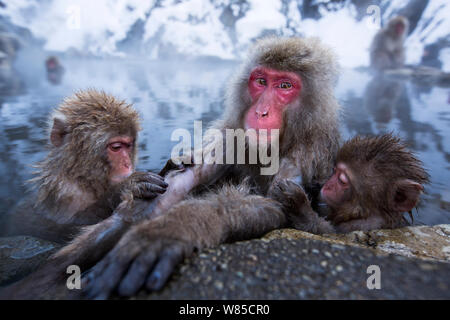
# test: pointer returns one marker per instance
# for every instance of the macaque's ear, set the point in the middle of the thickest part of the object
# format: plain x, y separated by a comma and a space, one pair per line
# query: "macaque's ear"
58, 132
406, 195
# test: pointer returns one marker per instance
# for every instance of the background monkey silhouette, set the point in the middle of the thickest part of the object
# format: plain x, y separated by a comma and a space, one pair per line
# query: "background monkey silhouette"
387, 50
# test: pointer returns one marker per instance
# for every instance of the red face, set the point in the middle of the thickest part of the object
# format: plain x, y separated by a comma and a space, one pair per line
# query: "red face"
399, 29
51, 63
337, 190
271, 92
120, 150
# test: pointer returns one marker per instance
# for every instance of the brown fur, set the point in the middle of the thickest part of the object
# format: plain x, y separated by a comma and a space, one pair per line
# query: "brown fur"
384, 173
309, 135
378, 163
387, 49
236, 210
90, 119
72, 182
309, 141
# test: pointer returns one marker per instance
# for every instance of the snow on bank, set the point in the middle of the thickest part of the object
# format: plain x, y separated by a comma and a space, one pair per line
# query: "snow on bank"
197, 27
434, 24
349, 38
192, 27
87, 25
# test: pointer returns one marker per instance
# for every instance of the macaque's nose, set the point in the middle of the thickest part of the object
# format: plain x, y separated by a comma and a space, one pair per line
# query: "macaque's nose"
262, 112
126, 161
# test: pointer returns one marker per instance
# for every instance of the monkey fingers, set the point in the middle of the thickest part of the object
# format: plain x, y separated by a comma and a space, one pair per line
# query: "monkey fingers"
136, 275
152, 268
171, 166
104, 276
169, 258
136, 260
289, 194
147, 190
145, 185
149, 177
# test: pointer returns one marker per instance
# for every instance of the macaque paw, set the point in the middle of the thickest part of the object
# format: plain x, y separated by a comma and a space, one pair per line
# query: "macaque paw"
171, 165
143, 185
144, 257
289, 194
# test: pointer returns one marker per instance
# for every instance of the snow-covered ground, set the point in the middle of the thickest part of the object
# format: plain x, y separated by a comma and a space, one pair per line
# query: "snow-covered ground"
221, 28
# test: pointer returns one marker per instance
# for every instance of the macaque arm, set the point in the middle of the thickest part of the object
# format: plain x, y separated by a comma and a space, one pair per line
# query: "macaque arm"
298, 209
148, 253
181, 182
141, 185
367, 224
27, 220
92, 244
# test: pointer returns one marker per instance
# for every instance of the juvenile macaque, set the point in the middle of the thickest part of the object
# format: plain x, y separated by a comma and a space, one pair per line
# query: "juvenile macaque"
285, 84
375, 181
387, 50
88, 171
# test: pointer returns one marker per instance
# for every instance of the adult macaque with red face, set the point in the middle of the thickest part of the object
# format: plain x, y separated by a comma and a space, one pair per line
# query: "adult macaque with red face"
271, 91
375, 181
89, 170
285, 84
54, 69
387, 50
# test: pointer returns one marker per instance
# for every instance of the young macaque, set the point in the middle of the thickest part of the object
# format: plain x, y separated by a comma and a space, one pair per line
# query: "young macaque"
88, 171
375, 181
387, 50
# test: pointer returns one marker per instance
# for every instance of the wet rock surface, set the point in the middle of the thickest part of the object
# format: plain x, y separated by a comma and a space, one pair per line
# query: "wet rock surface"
21, 255
424, 242
302, 269
287, 264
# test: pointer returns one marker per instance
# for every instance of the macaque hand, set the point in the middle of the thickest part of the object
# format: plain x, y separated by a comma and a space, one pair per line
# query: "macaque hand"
179, 164
294, 200
143, 185
145, 257
289, 194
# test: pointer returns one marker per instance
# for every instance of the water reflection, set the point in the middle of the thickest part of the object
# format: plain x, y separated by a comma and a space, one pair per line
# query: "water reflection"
173, 95
419, 115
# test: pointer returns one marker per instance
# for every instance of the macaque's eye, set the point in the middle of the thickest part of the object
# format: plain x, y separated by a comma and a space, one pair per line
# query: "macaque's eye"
343, 178
285, 85
116, 146
261, 81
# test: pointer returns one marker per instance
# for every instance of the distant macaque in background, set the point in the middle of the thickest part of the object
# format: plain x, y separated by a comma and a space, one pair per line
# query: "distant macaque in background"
89, 170
387, 50
431, 55
55, 70
9, 45
375, 181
